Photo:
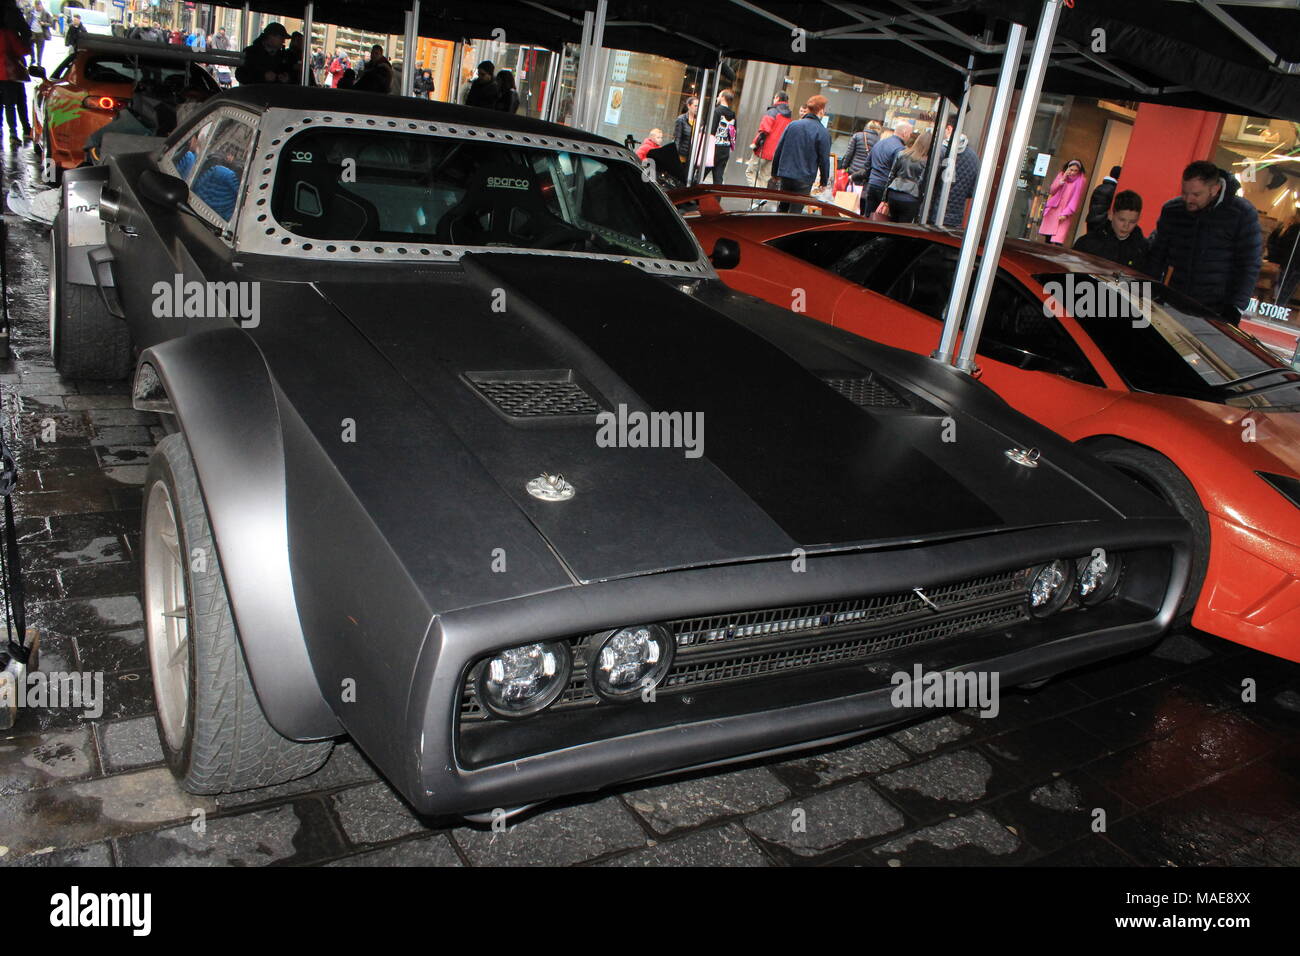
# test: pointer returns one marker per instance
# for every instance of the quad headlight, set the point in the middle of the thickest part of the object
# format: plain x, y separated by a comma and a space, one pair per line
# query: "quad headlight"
1050, 587
629, 660
523, 680
1097, 574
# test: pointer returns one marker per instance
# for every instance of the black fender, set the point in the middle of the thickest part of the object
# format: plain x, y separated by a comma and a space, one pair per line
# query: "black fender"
217, 386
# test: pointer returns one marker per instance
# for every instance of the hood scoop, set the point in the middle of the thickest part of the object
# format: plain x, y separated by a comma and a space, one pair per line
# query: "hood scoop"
529, 395
865, 391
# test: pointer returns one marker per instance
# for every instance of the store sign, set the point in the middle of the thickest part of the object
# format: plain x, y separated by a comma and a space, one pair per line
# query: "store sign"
1269, 310
896, 98
1041, 163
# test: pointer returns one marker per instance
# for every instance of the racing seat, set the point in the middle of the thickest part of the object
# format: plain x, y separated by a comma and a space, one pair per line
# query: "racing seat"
503, 205
323, 208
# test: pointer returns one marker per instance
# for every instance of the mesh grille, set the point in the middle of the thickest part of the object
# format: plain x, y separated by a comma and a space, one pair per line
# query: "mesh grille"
773, 640
549, 393
867, 392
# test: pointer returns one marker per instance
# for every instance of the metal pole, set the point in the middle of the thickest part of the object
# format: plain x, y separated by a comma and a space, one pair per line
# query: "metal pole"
409, 44
933, 160
307, 16
549, 99
585, 56
957, 130
243, 27
453, 82
594, 100
983, 188
988, 269
697, 137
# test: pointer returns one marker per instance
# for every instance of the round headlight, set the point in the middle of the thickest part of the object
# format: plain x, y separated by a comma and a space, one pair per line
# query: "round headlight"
523, 680
629, 660
1098, 574
1050, 587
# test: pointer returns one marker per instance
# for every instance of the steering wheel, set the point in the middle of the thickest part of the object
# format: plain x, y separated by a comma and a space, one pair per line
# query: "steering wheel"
559, 234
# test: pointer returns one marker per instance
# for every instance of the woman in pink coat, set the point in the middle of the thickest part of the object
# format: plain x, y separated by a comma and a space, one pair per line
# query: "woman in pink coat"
1063, 201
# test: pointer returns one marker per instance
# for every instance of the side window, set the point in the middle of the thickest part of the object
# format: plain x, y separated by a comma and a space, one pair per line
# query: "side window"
858, 256
219, 169
924, 286
184, 156
1020, 332
1016, 330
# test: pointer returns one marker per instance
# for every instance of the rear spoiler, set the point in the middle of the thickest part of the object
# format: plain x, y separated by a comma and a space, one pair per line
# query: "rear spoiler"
119, 46
709, 199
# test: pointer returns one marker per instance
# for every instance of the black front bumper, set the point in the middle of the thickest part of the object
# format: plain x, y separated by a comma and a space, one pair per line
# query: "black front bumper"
455, 770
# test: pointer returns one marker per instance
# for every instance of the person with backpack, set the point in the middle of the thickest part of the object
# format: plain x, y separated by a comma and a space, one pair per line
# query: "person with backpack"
775, 119
724, 137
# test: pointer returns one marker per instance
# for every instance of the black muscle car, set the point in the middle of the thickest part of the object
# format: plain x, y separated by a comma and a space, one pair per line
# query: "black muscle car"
473, 458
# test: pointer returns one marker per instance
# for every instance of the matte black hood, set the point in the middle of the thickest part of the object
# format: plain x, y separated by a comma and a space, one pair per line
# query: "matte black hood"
787, 461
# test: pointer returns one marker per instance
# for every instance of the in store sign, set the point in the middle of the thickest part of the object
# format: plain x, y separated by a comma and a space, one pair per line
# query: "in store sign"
1269, 310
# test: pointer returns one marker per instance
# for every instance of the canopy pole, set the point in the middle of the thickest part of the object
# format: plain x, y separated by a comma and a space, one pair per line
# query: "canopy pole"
932, 161
706, 129
308, 14
594, 100
988, 268
584, 65
951, 163
983, 188
457, 64
409, 44
243, 27
549, 99
697, 137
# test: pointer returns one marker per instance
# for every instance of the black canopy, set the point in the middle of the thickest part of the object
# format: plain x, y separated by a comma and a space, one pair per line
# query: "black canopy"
1223, 55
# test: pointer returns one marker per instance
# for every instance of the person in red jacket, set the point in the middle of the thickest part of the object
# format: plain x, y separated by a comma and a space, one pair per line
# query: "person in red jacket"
653, 141
775, 119
15, 45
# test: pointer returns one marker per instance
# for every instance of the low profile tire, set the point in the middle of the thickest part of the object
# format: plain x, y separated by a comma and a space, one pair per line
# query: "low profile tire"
214, 735
1161, 476
86, 340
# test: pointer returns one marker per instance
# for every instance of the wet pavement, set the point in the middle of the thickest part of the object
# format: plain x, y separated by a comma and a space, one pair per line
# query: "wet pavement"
1164, 758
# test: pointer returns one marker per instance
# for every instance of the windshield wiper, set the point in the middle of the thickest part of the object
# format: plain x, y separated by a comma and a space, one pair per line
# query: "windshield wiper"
1254, 375
1260, 389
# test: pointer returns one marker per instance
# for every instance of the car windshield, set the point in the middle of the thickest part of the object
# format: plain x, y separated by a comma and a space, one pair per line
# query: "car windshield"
368, 185
1185, 350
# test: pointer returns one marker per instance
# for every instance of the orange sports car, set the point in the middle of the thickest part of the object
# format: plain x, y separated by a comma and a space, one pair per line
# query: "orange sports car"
97, 79
1198, 411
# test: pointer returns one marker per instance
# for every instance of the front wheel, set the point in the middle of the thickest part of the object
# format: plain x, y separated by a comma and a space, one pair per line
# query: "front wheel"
1162, 477
213, 732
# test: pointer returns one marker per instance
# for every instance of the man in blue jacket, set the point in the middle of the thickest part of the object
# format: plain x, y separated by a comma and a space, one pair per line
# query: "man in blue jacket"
1211, 238
804, 153
882, 161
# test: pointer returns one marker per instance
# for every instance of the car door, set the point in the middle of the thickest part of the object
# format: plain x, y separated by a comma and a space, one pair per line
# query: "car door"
172, 249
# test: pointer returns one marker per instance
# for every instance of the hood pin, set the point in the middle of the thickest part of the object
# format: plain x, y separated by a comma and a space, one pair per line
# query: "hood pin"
1024, 456
550, 488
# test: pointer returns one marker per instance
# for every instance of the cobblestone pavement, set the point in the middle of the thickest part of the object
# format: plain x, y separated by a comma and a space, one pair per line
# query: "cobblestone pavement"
1185, 770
